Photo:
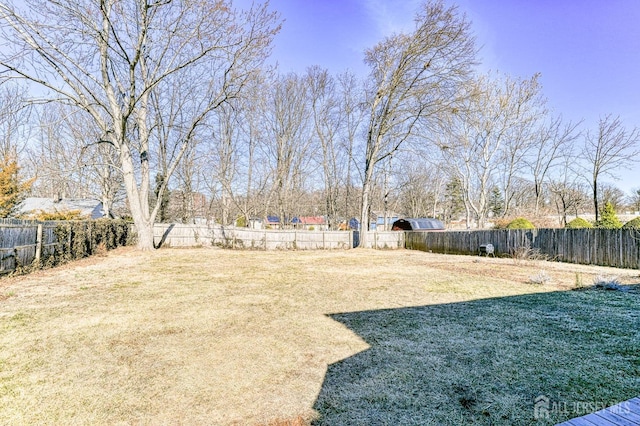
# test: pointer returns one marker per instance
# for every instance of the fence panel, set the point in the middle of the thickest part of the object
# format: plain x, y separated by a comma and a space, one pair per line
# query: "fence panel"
28, 243
186, 235
605, 247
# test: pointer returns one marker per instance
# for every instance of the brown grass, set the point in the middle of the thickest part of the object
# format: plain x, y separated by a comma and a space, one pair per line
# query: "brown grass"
209, 336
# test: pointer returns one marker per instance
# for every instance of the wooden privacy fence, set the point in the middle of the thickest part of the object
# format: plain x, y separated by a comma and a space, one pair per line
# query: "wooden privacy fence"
29, 243
186, 235
618, 247
21, 245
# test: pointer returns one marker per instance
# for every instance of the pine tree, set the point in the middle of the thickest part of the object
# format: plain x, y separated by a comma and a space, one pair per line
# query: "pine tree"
496, 202
12, 191
608, 218
454, 202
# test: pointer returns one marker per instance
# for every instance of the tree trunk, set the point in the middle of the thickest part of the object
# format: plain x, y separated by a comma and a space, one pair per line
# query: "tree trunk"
364, 216
138, 199
595, 199
145, 236
366, 193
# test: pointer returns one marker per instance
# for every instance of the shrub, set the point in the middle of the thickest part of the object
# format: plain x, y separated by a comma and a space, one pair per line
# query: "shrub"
520, 223
608, 218
84, 238
607, 282
541, 278
632, 224
525, 253
579, 223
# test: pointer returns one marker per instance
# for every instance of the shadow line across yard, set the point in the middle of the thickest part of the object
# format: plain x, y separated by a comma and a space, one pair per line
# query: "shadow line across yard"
489, 361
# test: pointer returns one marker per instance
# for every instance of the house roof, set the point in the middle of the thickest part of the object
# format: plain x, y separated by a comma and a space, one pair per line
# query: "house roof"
87, 207
309, 220
273, 219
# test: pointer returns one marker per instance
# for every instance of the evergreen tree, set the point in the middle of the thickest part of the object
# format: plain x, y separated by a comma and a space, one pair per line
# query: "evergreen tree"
454, 203
12, 191
608, 218
496, 202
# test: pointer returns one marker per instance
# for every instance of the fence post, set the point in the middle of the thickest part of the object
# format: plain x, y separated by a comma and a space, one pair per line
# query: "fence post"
38, 243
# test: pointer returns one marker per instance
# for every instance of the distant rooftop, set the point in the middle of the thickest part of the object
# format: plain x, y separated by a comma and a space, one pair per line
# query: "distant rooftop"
87, 207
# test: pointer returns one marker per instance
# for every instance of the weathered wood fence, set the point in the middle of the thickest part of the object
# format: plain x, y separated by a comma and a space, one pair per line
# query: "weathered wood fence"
618, 248
186, 235
25, 243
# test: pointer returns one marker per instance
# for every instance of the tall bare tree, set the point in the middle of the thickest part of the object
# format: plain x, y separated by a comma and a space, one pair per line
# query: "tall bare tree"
523, 112
553, 143
287, 122
353, 113
607, 150
327, 123
414, 78
485, 142
112, 58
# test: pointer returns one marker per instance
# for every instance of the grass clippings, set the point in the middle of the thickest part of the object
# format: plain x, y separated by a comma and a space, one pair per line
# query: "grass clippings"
327, 337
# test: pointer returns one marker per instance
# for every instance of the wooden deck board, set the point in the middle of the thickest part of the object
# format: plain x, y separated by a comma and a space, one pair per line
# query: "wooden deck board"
615, 418
626, 413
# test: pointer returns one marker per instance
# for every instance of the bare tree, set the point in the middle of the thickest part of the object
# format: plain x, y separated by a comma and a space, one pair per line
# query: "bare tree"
422, 188
553, 142
567, 188
288, 140
115, 60
613, 195
15, 114
353, 112
327, 123
607, 150
484, 144
54, 159
523, 109
69, 163
414, 77
634, 199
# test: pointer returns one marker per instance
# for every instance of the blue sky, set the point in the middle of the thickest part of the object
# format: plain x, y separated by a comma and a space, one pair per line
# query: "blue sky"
587, 51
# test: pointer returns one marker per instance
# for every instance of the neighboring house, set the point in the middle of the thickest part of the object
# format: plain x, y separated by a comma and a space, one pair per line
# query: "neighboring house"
272, 222
88, 208
316, 223
255, 223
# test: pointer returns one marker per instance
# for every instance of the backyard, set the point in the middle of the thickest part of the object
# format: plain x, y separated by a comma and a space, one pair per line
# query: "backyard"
231, 337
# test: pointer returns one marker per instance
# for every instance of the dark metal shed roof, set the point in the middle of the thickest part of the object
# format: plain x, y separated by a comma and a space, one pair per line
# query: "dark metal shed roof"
418, 224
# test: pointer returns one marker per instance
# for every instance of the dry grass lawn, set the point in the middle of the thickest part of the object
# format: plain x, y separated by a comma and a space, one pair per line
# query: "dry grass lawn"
208, 336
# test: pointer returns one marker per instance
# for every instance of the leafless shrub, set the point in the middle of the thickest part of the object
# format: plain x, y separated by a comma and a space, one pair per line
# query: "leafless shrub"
541, 278
607, 282
526, 253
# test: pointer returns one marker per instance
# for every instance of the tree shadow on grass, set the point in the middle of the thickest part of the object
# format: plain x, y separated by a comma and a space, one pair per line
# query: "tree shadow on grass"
486, 361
